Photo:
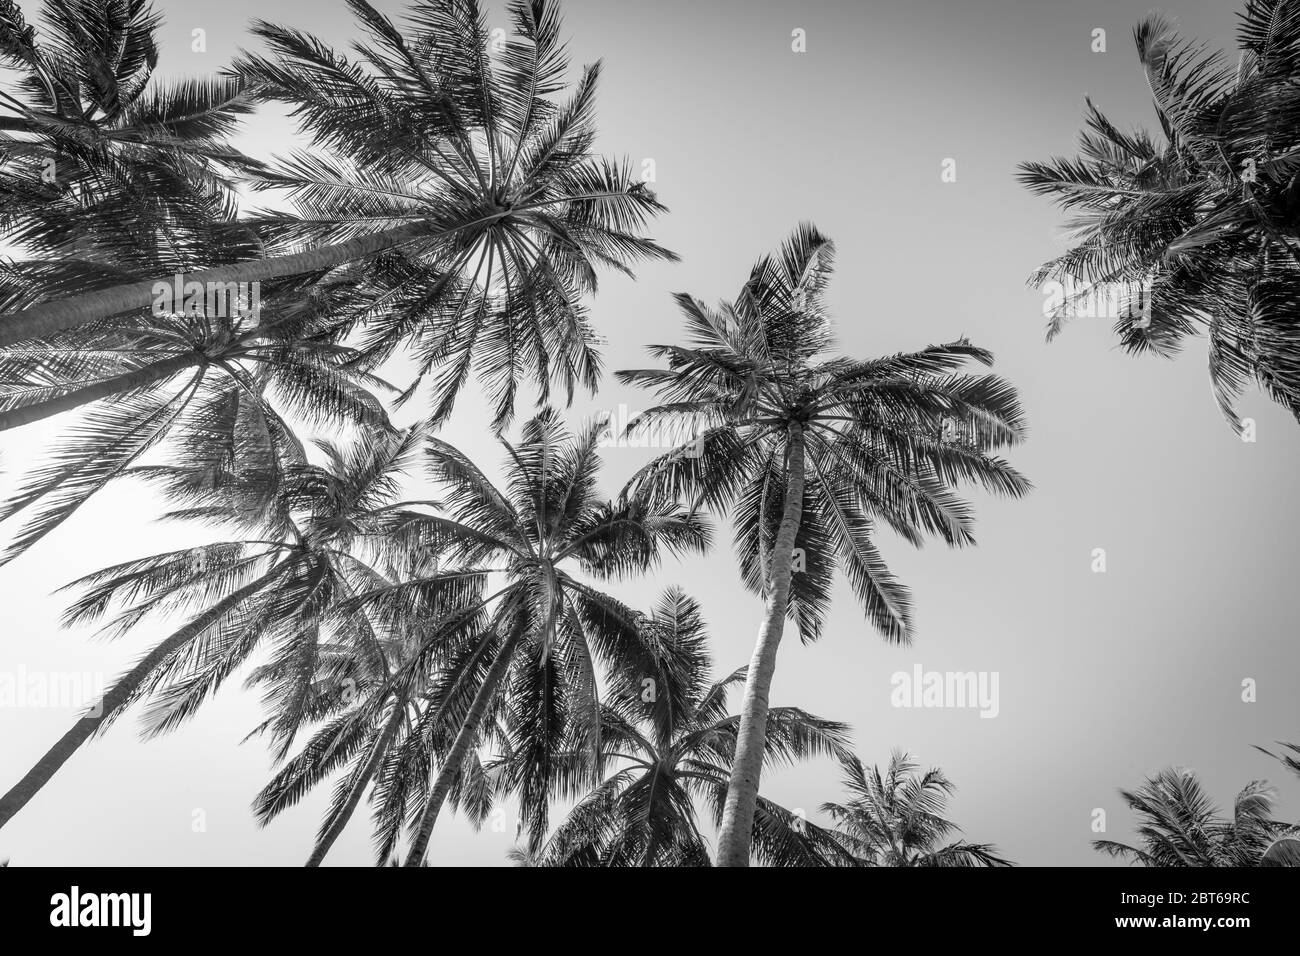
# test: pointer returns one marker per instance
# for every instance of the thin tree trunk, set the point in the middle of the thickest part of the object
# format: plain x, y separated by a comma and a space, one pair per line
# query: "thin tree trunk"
112, 701
26, 414
751, 740
340, 820
50, 317
464, 739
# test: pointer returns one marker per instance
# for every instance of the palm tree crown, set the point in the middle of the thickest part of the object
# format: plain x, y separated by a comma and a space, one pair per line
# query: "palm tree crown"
1197, 230
896, 818
881, 440
674, 739
1178, 824
140, 192
444, 172
218, 390
95, 151
273, 586
809, 452
385, 731
536, 543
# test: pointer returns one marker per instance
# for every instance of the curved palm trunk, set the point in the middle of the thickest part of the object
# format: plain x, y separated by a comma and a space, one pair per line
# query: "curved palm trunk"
110, 386
50, 317
112, 701
340, 819
751, 739
456, 755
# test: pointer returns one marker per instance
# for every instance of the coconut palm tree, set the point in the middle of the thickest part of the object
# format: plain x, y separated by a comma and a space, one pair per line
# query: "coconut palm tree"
92, 141
1196, 229
271, 587
538, 540
417, 761
185, 375
375, 716
107, 174
219, 388
1285, 851
809, 452
896, 818
1180, 826
458, 163
674, 740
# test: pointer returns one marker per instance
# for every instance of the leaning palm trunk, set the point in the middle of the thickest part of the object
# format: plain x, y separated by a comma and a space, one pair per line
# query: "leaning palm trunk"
118, 384
751, 741
456, 755
340, 819
112, 702
50, 317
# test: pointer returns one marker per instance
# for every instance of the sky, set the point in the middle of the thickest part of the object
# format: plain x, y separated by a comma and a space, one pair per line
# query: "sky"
1103, 678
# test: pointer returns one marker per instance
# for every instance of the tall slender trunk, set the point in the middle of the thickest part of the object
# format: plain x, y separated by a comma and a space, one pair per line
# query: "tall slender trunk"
50, 317
112, 701
751, 740
109, 386
464, 739
340, 820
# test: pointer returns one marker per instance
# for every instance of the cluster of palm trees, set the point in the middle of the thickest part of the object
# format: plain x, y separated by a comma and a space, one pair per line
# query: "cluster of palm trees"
458, 645
1179, 825
455, 646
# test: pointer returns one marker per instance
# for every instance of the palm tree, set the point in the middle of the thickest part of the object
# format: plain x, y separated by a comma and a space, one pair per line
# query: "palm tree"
462, 168
216, 389
139, 195
1180, 826
537, 539
107, 174
376, 717
1200, 225
405, 777
675, 741
1285, 851
896, 818
272, 588
110, 359
809, 451
90, 138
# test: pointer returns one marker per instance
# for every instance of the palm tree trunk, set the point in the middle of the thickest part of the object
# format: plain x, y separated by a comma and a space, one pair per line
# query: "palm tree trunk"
112, 702
50, 317
751, 739
340, 820
456, 755
125, 382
